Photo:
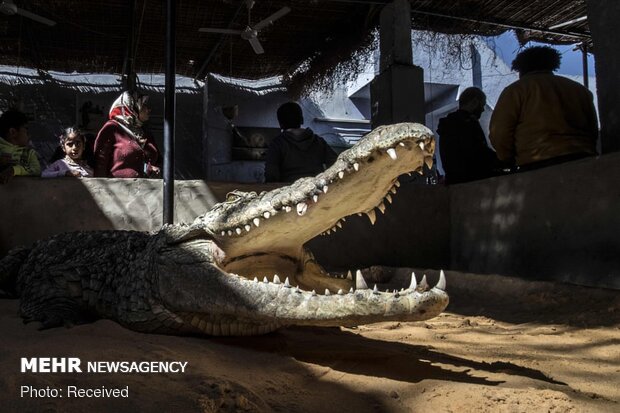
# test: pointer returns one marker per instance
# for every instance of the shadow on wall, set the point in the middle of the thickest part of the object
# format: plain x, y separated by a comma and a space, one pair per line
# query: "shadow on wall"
36, 208
556, 223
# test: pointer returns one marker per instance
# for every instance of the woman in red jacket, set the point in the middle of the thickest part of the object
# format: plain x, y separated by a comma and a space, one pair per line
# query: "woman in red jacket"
123, 149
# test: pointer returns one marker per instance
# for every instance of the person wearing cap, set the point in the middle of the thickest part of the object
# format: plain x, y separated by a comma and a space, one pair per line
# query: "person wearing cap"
123, 149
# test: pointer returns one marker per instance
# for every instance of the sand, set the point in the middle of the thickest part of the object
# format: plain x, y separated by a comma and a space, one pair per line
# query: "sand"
503, 345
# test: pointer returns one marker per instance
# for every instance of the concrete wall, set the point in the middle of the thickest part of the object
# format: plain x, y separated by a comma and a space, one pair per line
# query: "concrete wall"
559, 223
35, 208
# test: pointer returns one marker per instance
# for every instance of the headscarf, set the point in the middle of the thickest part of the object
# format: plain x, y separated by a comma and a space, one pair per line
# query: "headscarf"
125, 110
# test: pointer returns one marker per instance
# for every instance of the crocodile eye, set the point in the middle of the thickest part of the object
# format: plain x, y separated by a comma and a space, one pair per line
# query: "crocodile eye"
233, 196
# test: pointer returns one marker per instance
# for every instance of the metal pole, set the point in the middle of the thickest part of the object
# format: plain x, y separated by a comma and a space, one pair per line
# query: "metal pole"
129, 77
169, 111
584, 56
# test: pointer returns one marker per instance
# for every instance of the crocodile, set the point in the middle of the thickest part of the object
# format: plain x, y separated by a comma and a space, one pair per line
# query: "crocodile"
241, 268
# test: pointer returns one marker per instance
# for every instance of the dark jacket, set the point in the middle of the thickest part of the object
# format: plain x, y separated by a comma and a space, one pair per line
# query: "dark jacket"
296, 153
463, 148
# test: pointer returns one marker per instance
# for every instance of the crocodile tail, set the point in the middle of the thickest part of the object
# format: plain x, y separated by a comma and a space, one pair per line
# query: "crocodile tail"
9, 268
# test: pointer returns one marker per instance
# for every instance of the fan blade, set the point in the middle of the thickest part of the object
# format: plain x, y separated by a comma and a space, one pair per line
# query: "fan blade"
258, 48
269, 20
35, 17
221, 31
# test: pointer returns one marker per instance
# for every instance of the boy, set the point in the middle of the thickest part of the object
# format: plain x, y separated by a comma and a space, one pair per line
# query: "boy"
16, 157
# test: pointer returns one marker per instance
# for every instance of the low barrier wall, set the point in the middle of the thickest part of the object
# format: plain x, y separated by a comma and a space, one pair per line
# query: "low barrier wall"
560, 223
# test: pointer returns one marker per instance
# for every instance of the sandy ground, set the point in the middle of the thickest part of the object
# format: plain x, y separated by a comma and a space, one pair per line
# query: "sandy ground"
504, 345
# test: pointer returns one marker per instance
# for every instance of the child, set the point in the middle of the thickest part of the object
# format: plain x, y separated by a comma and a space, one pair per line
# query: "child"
72, 142
16, 157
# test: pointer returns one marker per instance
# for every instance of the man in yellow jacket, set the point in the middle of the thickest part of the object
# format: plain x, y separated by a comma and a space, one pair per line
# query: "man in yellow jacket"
16, 157
543, 119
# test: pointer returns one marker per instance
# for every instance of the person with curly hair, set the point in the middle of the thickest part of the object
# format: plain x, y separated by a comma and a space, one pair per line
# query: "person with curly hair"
543, 119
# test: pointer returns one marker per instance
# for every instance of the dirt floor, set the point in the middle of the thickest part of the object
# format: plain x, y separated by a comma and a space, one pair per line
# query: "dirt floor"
504, 345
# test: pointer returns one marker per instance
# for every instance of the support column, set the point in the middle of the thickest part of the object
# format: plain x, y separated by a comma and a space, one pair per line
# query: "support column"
603, 17
169, 112
397, 93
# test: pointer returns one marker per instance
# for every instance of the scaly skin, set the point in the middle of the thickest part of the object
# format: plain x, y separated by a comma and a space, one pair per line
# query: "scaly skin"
239, 269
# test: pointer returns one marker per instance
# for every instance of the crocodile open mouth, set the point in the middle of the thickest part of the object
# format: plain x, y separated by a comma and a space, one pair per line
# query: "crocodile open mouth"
263, 235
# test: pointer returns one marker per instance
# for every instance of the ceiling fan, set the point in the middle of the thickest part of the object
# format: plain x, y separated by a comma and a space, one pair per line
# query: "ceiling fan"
250, 33
9, 8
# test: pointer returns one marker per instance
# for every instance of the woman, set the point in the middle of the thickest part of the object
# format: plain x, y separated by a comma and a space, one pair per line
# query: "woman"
122, 148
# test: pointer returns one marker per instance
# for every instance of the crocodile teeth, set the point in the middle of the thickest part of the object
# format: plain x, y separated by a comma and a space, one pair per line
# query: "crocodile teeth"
288, 209
349, 276
238, 231
359, 214
414, 282
313, 293
356, 166
340, 292
230, 232
360, 283
351, 290
286, 283
393, 190
265, 280
381, 207
397, 183
223, 233
266, 214
327, 292
372, 216
255, 279
428, 160
297, 290
423, 283
396, 294
392, 153
247, 227
340, 174
421, 145
256, 221
401, 144
315, 198
276, 279
441, 284
301, 208
388, 197
339, 224
325, 189
375, 290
